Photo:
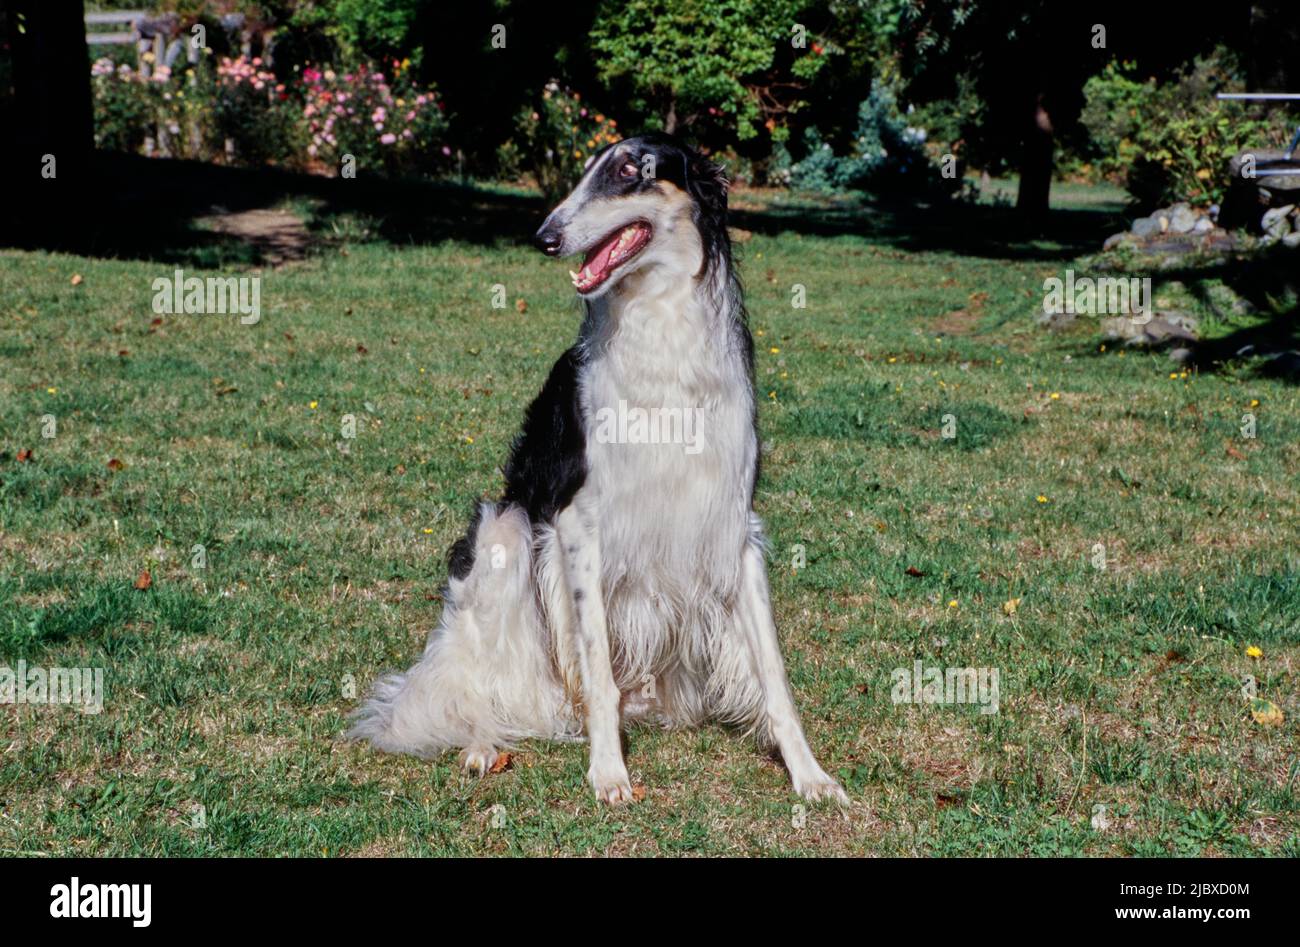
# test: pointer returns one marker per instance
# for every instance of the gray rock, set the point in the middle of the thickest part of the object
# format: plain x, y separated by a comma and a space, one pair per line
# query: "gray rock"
1182, 219
1203, 225
1170, 327
1292, 239
1275, 223
1274, 216
1145, 227
1119, 239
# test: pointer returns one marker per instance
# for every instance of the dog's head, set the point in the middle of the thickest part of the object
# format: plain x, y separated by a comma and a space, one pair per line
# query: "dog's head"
643, 202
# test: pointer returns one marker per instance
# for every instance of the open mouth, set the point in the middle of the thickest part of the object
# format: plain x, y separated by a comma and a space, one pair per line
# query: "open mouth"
611, 253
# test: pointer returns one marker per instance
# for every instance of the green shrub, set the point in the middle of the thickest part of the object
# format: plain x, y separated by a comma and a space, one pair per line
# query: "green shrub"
1172, 142
558, 136
252, 111
159, 112
887, 154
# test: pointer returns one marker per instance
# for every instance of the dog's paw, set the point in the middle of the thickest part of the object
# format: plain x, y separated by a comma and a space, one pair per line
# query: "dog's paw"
818, 787
478, 760
612, 785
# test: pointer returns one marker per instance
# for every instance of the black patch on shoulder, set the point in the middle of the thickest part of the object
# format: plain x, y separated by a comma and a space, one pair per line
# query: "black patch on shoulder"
548, 462
461, 558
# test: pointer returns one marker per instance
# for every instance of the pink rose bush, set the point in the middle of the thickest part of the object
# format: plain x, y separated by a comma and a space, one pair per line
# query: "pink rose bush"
240, 110
384, 123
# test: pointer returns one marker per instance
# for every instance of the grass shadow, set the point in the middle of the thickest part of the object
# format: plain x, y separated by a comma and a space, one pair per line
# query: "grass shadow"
126, 206
129, 207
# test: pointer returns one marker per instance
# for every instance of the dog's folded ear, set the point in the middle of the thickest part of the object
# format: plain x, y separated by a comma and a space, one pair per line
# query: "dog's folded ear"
707, 183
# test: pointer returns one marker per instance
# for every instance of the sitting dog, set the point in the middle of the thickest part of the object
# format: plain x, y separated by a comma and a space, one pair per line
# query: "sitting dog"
621, 575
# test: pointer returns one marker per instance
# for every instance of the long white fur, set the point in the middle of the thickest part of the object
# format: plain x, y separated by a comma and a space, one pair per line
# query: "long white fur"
647, 597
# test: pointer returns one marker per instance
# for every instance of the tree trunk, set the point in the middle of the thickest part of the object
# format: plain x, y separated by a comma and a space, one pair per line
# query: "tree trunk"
1036, 163
48, 127
670, 119
51, 75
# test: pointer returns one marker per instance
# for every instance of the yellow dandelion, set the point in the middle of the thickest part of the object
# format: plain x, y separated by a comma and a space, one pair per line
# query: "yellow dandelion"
1173, 374
1056, 396
51, 391
1254, 652
772, 395
892, 360
427, 530
1041, 498
774, 350
312, 405
1254, 402
952, 604
1102, 347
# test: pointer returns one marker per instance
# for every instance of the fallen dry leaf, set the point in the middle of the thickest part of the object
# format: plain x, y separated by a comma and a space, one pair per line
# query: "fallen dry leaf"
1234, 453
25, 456
1265, 712
1010, 605
914, 572
115, 464
638, 793
521, 305
76, 279
144, 581
501, 763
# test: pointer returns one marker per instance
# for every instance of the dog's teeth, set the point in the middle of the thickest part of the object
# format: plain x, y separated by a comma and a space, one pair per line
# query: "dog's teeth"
573, 276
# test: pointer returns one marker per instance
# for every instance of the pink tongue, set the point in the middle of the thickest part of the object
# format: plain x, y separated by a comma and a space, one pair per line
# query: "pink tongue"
598, 260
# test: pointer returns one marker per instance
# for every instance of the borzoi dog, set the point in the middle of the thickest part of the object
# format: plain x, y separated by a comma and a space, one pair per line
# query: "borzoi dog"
621, 576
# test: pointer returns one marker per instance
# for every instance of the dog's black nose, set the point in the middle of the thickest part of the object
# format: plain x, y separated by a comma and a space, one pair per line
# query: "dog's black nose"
548, 241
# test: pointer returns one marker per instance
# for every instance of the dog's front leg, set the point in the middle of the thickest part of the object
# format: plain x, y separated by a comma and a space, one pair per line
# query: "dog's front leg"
580, 551
754, 611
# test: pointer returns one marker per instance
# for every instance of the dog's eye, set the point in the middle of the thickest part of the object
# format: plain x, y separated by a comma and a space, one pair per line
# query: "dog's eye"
628, 171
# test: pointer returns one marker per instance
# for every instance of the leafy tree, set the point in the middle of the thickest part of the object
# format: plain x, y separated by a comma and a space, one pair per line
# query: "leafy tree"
1028, 61
737, 64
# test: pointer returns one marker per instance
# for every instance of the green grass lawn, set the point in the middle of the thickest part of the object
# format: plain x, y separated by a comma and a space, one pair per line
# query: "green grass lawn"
227, 687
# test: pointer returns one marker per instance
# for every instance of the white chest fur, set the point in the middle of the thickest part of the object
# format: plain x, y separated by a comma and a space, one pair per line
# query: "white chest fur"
671, 448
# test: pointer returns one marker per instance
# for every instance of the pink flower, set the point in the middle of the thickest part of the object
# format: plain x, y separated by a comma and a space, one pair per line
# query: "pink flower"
388, 138
446, 151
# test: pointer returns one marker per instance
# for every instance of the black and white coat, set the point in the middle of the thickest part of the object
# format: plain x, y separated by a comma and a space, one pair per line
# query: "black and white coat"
616, 578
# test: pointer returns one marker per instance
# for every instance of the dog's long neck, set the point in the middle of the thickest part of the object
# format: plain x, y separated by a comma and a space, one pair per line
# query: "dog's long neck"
673, 326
